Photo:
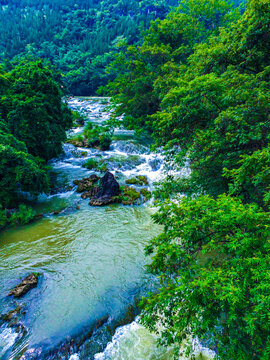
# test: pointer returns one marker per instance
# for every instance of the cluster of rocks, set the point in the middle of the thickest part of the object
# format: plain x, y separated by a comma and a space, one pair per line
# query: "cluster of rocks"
100, 191
13, 318
106, 190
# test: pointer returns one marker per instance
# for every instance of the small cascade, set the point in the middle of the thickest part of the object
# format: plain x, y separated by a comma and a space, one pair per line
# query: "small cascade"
8, 337
13, 339
134, 342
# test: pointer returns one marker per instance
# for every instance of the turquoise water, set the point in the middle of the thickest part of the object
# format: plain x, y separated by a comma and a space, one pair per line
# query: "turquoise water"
91, 259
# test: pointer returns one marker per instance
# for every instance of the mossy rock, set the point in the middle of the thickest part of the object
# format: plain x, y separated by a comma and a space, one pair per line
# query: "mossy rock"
91, 164
146, 194
132, 181
143, 179
130, 195
137, 180
77, 140
98, 165
86, 184
118, 199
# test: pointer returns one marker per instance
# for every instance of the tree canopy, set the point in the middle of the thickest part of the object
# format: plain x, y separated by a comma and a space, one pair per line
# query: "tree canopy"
33, 120
77, 36
199, 83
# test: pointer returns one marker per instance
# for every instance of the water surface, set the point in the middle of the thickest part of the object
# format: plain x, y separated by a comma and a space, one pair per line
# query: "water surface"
91, 259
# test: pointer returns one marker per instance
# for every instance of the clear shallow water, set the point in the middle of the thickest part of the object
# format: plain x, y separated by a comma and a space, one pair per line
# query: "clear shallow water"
92, 262
91, 259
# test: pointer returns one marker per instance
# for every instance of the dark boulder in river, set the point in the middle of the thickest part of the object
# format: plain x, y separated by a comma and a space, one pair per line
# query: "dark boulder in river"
26, 285
109, 188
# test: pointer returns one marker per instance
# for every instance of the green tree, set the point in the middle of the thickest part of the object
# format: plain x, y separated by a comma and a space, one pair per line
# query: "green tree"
144, 73
213, 264
211, 99
19, 171
33, 109
74, 34
32, 129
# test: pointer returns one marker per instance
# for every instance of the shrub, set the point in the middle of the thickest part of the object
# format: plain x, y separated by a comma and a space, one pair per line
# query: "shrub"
105, 142
146, 193
97, 136
137, 180
77, 140
91, 164
77, 118
23, 215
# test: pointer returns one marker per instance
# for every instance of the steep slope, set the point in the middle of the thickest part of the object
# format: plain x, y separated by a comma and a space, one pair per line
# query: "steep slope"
77, 36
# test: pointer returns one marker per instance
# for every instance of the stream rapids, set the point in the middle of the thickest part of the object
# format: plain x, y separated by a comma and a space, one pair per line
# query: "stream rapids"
91, 259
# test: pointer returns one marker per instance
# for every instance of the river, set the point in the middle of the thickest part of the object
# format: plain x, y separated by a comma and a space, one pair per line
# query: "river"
91, 261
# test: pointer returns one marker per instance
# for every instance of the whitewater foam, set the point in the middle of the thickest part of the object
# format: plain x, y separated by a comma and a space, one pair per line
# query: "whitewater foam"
7, 339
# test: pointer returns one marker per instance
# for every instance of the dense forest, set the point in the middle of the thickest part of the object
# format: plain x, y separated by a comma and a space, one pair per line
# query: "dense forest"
197, 80
33, 124
78, 37
199, 83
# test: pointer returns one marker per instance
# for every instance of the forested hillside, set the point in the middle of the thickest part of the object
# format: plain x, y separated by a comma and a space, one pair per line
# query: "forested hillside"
33, 124
77, 36
199, 83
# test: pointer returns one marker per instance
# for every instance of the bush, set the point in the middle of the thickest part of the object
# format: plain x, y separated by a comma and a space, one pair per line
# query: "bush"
105, 142
94, 164
19, 171
97, 136
146, 193
103, 167
137, 180
91, 164
215, 254
77, 118
77, 140
3, 217
23, 215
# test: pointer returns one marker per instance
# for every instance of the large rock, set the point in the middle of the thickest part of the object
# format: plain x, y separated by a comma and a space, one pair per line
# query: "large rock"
109, 186
108, 189
26, 285
86, 184
91, 193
